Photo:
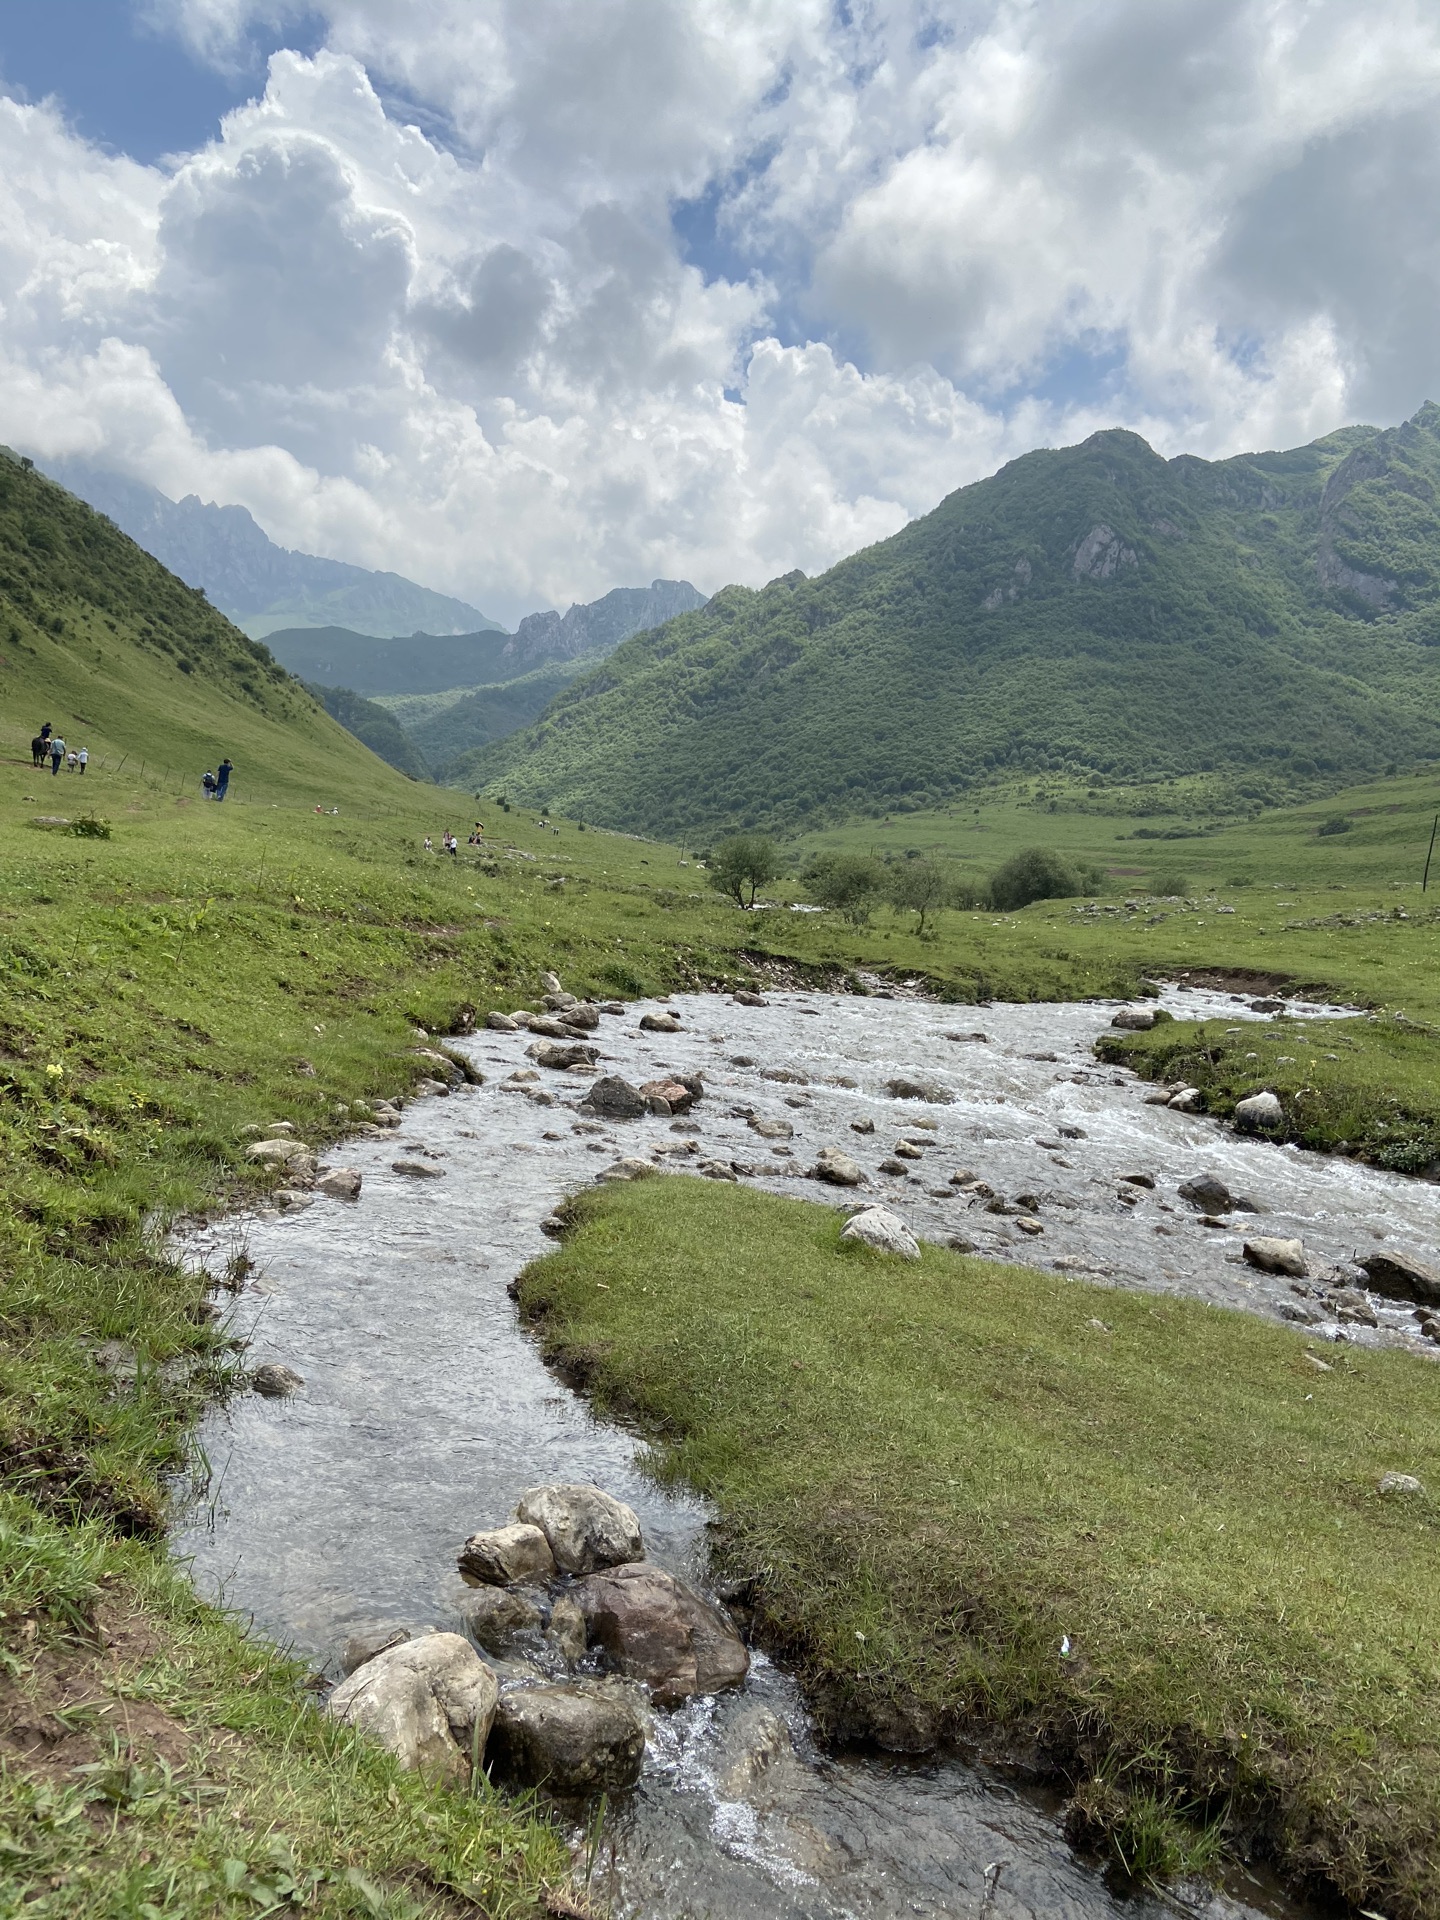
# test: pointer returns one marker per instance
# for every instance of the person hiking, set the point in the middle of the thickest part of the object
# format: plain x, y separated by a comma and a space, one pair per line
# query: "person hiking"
207, 784
428, 847
70, 758
46, 731
222, 777
57, 752
83, 757
39, 747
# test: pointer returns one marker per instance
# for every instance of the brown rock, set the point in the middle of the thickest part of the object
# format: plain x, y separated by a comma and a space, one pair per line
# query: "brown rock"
655, 1629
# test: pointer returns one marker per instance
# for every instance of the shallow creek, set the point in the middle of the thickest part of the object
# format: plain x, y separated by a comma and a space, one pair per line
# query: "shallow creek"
426, 1410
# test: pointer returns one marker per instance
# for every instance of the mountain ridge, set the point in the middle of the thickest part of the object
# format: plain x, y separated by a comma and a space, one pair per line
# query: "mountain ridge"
256, 583
1096, 609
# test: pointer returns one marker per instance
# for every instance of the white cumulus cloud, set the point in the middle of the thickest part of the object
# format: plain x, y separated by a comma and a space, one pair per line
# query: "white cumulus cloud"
526, 302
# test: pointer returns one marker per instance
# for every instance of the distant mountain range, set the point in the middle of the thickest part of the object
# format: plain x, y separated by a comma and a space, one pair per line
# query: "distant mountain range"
1095, 611
260, 586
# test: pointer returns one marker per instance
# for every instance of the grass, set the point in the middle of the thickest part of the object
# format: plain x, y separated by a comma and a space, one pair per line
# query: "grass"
1142, 1532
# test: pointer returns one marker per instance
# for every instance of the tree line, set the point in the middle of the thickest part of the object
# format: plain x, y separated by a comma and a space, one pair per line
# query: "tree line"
854, 884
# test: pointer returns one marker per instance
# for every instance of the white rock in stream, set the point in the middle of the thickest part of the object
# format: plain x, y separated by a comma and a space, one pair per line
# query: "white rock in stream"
430, 1701
1260, 1110
878, 1227
1273, 1255
585, 1528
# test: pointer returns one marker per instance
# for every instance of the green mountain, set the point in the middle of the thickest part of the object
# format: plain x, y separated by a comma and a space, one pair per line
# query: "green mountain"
479, 715
1096, 609
123, 658
380, 730
423, 663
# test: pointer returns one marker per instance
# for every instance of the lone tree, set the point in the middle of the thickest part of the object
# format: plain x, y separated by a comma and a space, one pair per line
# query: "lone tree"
922, 887
1039, 874
741, 866
848, 883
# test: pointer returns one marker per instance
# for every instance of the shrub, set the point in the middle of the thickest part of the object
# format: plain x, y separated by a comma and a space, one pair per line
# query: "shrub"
1337, 823
1170, 881
87, 827
1036, 873
922, 887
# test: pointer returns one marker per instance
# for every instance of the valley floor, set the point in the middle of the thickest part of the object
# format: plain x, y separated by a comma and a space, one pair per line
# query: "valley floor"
203, 969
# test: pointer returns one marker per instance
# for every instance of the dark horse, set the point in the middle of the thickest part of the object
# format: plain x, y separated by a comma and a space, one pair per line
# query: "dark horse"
39, 747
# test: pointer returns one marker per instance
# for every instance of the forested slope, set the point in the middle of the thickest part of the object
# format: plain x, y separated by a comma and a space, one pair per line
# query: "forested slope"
1096, 609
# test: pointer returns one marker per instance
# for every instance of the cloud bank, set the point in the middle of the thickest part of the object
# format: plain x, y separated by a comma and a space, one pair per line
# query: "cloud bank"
525, 302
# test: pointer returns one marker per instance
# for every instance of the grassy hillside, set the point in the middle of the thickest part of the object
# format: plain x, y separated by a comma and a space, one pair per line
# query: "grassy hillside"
421, 663
1097, 611
379, 730
452, 735
123, 658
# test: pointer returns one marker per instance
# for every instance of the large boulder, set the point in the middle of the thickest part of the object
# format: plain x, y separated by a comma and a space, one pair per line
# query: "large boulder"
653, 1628
837, 1169
548, 1025
674, 1094
341, 1183
615, 1099
1260, 1111
575, 1737
501, 1023
503, 1555
918, 1090
443, 1066
560, 1054
1271, 1254
580, 1017
1135, 1019
1399, 1277
659, 1023
430, 1701
1208, 1193
770, 1129
878, 1227
585, 1528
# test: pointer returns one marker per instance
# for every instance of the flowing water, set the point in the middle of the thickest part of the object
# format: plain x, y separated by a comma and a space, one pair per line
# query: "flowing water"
426, 1411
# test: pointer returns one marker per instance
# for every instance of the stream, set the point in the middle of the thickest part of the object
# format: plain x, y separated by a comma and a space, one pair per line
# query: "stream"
426, 1411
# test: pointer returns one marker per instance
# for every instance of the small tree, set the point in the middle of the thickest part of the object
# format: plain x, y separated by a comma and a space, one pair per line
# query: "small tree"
741, 866
848, 883
922, 887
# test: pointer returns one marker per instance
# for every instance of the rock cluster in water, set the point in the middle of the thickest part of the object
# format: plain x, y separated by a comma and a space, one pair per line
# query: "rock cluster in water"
585, 1637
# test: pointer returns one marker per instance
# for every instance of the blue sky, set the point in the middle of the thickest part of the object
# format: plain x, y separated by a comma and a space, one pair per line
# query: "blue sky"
530, 301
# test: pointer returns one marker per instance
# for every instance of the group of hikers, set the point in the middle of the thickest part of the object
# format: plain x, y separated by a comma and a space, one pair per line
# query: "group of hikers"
215, 783
48, 745
449, 844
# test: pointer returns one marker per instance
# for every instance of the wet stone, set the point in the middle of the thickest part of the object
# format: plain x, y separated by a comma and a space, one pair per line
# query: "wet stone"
577, 1737
276, 1382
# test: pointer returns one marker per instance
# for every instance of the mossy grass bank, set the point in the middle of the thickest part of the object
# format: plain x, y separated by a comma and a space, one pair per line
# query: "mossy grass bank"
1138, 1538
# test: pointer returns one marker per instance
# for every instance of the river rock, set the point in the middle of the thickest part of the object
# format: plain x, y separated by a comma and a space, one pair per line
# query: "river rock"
627, 1169
276, 1382
1208, 1193
659, 1023
837, 1169
1274, 1255
501, 1023
369, 1642
1146, 1180
1400, 1483
430, 1701
572, 1737
669, 1095
716, 1170
769, 1129
916, 1090
751, 1746
1260, 1110
582, 1017
565, 1630
653, 1628
562, 1054
1187, 1100
497, 1615
614, 1098
549, 1026
862, 1126
292, 1199
550, 981
500, 1556
1399, 1277
585, 1528
907, 1150
281, 1153
341, 1183
417, 1169
878, 1227
1135, 1019
743, 997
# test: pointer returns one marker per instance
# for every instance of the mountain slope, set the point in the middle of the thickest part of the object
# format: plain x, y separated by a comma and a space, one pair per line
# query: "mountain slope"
1097, 609
421, 663
121, 657
261, 586
379, 730
600, 625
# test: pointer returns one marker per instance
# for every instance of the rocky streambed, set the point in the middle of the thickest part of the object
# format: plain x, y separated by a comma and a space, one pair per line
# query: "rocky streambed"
408, 1420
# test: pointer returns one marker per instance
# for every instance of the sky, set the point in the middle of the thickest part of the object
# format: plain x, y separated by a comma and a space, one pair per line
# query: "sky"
529, 301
